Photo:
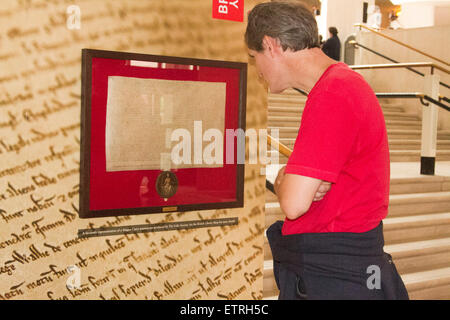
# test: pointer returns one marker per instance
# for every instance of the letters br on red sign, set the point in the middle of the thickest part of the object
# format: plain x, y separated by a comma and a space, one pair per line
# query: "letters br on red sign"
228, 10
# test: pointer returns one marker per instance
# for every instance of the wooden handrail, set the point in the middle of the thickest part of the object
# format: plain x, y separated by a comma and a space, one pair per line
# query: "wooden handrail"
277, 145
399, 65
401, 43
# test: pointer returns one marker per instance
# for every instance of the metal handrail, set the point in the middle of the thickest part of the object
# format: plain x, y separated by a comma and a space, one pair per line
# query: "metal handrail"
401, 43
353, 42
399, 65
417, 95
301, 91
270, 187
444, 98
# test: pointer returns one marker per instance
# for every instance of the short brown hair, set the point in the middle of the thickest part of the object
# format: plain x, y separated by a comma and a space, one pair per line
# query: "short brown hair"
291, 23
333, 31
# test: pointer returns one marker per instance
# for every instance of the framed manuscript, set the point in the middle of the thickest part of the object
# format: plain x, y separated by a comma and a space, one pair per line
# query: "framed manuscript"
160, 134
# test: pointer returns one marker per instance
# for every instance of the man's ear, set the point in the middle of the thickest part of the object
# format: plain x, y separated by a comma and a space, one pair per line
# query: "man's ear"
272, 45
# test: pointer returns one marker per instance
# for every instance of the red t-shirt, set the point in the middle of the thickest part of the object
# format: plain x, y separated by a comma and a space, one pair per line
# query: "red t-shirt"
343, 140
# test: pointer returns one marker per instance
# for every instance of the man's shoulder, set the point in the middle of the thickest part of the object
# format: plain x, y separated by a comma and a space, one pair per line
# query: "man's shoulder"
342, 89
337, 82
343, 79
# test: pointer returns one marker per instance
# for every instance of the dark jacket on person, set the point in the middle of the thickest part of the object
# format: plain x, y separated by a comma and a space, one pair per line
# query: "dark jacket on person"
334, 266
332, 48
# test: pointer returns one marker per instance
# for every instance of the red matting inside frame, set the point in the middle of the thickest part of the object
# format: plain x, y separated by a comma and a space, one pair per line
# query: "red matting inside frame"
136, 189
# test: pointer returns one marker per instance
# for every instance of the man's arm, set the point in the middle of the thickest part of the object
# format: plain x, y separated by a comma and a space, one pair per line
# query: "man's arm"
296, 193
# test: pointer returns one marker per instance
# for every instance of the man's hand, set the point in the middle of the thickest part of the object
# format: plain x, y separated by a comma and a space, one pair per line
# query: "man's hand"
322, 191
324, 186
278, 180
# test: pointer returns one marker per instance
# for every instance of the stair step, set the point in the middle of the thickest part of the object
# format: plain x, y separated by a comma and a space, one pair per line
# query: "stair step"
415, 134
418, 142
293, 104
294, 121
399, 133
414, 152
398, 115
415, 155
415, 144
387, 108
417, 248
292, 99
418, 203
394, 155
285, 112
281, 121
290, 93
286, 100
432, 284
414, 228
297, 111
404, 134
390, 102
420, 184
406, 122
421, 255
290, 129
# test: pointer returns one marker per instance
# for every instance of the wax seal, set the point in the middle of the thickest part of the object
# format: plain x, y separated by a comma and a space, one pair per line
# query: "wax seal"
166, 184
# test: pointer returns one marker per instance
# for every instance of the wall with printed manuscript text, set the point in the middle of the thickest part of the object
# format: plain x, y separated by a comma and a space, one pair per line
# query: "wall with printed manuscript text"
40, 85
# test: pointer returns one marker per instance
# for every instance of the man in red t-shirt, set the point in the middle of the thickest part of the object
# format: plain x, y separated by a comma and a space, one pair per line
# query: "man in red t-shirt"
334, 189
343, 140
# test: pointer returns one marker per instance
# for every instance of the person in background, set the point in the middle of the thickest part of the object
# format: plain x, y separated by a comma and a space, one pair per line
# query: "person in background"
332, 47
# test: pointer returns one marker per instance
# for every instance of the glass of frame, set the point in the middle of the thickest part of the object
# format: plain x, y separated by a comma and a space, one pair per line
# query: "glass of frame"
160, 134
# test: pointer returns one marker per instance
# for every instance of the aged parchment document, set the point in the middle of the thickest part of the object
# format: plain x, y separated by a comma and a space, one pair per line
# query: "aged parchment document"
142, 114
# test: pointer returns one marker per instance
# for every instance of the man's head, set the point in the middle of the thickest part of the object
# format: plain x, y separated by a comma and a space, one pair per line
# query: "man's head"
292, 24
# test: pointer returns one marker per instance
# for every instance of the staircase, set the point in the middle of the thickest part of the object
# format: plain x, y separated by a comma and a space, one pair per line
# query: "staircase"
404, 130
417, 229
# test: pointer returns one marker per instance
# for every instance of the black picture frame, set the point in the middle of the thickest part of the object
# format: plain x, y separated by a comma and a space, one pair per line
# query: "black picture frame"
87, 88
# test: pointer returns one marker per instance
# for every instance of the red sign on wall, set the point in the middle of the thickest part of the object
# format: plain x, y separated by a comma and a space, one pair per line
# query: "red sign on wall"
228, 10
